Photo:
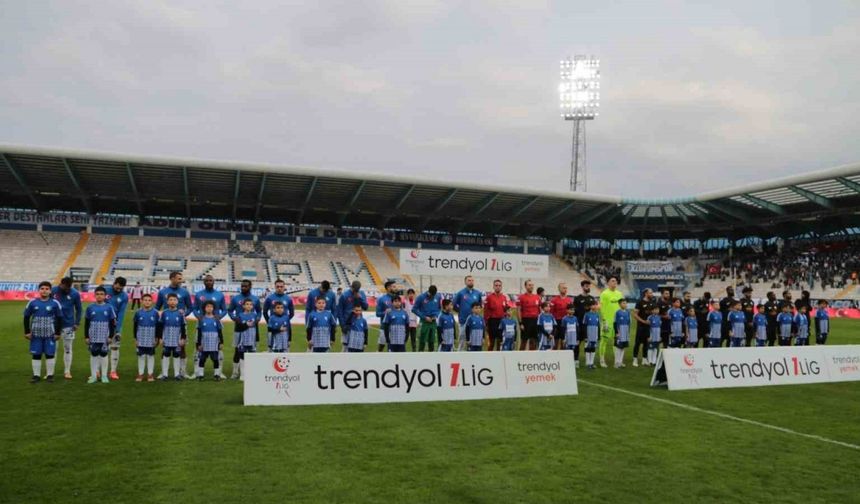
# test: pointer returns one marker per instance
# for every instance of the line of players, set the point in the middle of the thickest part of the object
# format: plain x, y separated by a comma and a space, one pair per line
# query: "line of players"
164, 324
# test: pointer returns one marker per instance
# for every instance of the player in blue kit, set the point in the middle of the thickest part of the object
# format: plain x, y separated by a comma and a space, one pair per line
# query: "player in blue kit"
801, 325
383, 304
655, 323
184, 305
546, 327
246, 332
691, 328
621, 327
116, 297
822, 323
508, 330
463, 301
145, 338
591, 322
210, 341
737, 325
447, 325
99, 328
210, 293
760, 326
676, 324
70, 300
234, 311
715, 325
356, 339
784, 322
320, 326
475, 328
43, 323
279, 296
396, 326
172, 332
278, 328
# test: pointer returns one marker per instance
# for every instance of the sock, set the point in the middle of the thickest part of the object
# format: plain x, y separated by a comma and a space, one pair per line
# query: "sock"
37, 367
176, 363
104, 365
67, 355
150, 360
649, 355
114, 359
165, 366
49, 364
242, 369
141, 364
182, 366
94, 366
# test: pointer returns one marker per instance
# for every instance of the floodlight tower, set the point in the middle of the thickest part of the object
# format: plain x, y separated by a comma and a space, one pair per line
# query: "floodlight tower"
579, 92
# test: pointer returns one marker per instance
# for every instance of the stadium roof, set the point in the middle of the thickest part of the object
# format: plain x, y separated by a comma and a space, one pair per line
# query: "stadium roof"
43, 179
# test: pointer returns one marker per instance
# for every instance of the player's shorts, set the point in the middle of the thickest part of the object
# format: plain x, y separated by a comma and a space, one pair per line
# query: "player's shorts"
353, 350
530, 331
692, 344
653, 345
675, 342
801, 342
476, 348
170, 352
508, 344
715, 342
68, 333
545, 347
209, 355
784, 341
621, 344
280, 350
821, 339
320, 349
590, 346
145, 350
445, 348
247, 349
760, 342
98, 349
397, 348
737, 342
39, 346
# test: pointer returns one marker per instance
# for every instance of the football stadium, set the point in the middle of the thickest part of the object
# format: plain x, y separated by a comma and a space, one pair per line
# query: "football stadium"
212, 330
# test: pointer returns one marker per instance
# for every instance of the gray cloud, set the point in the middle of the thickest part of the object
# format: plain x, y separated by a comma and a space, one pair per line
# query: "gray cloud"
694, 97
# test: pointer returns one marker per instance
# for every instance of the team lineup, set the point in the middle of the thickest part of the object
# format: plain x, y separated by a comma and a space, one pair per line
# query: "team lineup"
471, 321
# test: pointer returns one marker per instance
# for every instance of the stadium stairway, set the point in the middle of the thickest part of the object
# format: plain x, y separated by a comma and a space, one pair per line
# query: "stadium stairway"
847, 291
73, 256
115, 242
396, 262
370, 267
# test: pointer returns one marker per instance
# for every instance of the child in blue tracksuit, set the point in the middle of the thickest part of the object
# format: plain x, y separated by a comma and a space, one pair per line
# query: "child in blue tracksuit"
676, 324
691, 328
99, 328
474, 328
447, 327
801, 324
546, 327
145, 329
172, 333
784, 322
247, 333
210, 340
622, 332
591, 321
395, 325
737, 325
760, 326
320, 326
569, 326
508, 330
715, 326
822, 323
278, 327
655, 323
43, 320
356, 340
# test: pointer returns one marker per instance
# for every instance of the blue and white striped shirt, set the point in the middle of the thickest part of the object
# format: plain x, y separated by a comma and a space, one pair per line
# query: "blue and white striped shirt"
320, 326
475, 329
396, 322
446, 324
145, 324
209, 334
172, 327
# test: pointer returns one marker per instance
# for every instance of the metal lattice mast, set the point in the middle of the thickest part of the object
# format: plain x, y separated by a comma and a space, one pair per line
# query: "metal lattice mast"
579, 93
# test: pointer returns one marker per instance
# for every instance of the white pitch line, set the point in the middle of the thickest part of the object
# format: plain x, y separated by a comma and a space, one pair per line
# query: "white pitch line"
724, 415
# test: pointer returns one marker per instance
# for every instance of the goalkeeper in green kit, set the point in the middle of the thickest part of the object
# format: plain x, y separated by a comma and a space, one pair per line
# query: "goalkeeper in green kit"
609, 299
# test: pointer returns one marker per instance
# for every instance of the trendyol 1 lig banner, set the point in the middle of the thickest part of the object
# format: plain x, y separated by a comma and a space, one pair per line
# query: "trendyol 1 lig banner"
461, 263
701, 368
285, 379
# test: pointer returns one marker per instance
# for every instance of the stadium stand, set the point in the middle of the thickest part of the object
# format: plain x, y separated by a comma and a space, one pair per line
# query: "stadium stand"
28, 255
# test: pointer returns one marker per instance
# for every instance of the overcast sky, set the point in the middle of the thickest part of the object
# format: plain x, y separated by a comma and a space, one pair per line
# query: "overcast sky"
695, 97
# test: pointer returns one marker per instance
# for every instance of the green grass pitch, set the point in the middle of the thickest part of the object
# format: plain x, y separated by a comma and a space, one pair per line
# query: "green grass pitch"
70, 442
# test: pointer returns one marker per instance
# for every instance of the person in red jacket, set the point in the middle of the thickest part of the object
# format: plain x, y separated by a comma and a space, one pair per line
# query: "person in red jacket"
494, 311
528, 306
558, 308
